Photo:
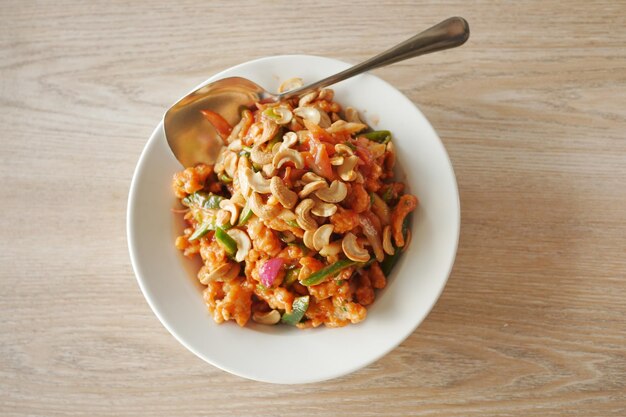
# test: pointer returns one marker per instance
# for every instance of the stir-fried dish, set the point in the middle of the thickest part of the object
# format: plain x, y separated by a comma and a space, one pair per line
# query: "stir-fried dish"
300, 220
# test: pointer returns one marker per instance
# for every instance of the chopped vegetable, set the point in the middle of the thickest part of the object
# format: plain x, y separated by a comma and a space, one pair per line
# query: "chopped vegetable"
292, 276
225, 178
225, 241
390, 261
202, 230
327, 272
246, 213
220, 124
269, 112
380, 136
292, 223
202, 199
269, 271
350, 145
299, 307
388, 194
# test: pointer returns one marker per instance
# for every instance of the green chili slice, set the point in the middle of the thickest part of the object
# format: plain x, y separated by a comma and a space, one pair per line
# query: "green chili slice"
291, 276
227, 242
299, 307
202, 230
329, 271
245, 215
203, 200
380, 136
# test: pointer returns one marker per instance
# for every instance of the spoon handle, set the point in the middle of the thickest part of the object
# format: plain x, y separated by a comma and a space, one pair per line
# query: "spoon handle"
448, 34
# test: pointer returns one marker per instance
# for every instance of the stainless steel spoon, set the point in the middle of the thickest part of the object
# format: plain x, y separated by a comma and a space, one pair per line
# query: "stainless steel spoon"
194, 140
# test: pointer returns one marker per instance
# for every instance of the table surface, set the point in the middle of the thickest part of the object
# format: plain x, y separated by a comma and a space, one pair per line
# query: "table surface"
532, 112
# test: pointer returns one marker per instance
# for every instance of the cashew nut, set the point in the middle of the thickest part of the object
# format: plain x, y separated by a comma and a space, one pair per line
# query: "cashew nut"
321, 237
288, 155
259, 157
387, 246
343, 126
270, 128
336, 160
262, 211
307, 98
242, 170
343, 149
312, 187
243, 243
308, 239
324, 119
303, 215
238, 199
257, 182
353, 250
271, 317
310, 177
352, 115
290, 84
230, 207
226, 272
289, 139
333, 194
283, 194
284, 114
309, 113
222, 218
230, 163
269, 170
332, 249
323, 209
326, 94
286, 215
235, 146
346, 169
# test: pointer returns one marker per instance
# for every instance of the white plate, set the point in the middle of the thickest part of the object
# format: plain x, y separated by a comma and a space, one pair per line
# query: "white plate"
282, 354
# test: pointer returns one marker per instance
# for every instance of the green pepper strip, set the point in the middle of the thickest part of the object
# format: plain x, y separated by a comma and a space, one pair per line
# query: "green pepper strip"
225, 178
350, 145
246, 213
379, 136
329, 271
299, 307
202, 230
291, 277
203, 200
388, 194
227, 242
269, 112
390, 261
292, 223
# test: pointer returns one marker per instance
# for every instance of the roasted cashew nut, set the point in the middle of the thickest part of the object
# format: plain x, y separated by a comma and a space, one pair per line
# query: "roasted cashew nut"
336, 193
353, 250
303, 215
283, 194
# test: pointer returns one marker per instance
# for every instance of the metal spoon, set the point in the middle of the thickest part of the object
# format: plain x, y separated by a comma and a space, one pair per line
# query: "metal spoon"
194, 140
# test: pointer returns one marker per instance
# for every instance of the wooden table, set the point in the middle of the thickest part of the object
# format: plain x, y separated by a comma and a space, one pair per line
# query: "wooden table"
533, 114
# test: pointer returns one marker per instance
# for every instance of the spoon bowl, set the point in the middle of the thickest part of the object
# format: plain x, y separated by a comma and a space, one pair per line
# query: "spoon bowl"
193, 139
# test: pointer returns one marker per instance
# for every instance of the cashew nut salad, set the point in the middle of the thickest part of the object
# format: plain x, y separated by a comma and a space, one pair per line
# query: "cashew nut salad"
300, 220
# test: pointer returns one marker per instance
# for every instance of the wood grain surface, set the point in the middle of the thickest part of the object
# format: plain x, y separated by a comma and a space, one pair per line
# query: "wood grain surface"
532, 112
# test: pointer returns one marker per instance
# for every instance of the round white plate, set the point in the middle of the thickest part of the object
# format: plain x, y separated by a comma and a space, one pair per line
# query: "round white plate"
283, 354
